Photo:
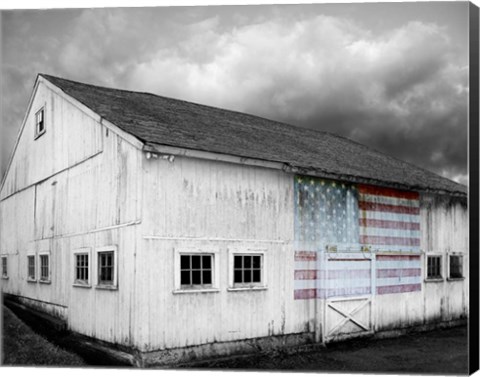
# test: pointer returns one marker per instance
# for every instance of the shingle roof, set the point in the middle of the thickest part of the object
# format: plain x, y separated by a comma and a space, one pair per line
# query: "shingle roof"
166, 121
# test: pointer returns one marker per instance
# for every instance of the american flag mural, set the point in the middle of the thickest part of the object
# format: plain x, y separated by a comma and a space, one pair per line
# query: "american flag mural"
347, 216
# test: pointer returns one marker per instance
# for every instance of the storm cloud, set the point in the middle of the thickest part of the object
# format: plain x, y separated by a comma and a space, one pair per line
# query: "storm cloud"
400, 89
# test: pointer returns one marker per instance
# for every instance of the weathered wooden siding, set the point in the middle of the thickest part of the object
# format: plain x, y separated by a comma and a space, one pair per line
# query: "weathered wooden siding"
215, 206
70, 137
82, 193
445, 230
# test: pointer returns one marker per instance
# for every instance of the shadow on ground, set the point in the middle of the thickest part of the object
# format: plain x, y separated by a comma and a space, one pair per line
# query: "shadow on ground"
443, 351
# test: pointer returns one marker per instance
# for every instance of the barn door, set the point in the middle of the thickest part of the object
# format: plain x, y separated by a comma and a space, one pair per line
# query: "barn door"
348, 304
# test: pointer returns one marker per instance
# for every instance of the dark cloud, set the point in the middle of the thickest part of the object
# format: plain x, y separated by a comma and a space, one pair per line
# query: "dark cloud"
400, 88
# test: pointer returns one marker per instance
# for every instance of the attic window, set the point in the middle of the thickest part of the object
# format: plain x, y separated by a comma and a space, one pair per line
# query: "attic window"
40, 122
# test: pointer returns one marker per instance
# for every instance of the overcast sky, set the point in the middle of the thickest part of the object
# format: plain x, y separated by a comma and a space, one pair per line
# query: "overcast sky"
392, 76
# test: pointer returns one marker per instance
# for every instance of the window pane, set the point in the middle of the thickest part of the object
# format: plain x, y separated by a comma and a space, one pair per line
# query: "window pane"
237, 261
247, 261
185, 278
196, 277
196, 261
256, 261
207, 277
206, 262
237, 276
247, 277
256, 276
184, 262
455, 267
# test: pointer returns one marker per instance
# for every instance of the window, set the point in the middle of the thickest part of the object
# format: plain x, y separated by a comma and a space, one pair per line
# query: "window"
4, 268
44, 259
31, 267
455, 267
106, 267
434, 267
81, 268
247, 269
40, 122
196, 270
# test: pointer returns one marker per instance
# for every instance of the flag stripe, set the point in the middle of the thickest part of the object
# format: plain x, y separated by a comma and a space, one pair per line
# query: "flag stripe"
368, 206
377, 240
398, 272
374, 215
382, 232
388, 224
389, 200
305, 256
397, 257
399, 288
374, 190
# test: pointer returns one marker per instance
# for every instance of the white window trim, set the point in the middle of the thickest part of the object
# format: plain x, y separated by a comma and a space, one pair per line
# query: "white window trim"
5, 277
98, 250
78, 283
455, 254
39, 267
37, 133
442, 267
34, 255
215, 271
247, 251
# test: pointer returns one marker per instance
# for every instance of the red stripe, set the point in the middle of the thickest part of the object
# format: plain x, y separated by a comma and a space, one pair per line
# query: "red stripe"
304, 294
349, 260
398, 272
397, 257
398, 241
380, 207
382, 191
305, 256
372, 223
399, 288
305, 275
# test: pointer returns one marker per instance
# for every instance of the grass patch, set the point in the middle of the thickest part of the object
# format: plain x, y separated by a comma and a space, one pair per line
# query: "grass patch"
22, 346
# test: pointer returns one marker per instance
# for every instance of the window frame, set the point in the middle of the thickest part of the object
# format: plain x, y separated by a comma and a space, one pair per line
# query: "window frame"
77, 282
262, 285
39, 133
462, 265
214, 287
98, 283
30, 278
4, 257
41, 279
442, 275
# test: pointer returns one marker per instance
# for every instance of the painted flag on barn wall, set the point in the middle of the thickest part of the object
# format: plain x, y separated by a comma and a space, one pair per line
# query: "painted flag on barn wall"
389, 219
349, 216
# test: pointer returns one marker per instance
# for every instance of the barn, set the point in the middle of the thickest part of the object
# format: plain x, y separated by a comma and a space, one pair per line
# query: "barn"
179, 231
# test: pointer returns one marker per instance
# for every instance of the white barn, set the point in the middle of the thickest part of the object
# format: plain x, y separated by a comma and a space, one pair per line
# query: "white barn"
179, 231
